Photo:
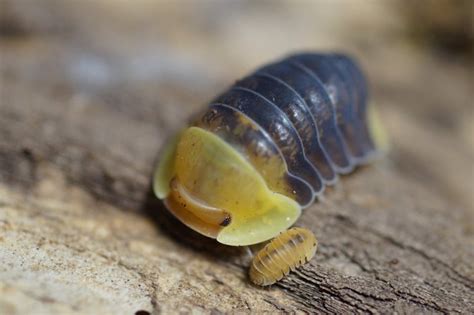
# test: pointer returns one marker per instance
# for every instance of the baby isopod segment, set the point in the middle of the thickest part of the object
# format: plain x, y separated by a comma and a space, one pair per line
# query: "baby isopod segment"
245, 167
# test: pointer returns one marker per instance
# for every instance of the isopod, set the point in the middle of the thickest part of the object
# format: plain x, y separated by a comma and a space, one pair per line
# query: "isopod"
283, 254
245, 167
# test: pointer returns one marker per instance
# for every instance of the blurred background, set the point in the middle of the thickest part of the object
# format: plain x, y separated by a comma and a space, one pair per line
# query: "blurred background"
159, 61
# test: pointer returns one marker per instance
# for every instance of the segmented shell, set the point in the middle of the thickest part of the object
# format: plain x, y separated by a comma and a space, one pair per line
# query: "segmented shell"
307, 112
283, 254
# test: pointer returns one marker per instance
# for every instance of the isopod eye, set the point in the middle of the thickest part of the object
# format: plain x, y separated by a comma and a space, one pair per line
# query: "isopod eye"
214, 190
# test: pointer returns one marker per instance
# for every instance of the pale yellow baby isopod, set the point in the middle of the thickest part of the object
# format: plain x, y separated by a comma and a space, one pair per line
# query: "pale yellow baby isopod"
283, 254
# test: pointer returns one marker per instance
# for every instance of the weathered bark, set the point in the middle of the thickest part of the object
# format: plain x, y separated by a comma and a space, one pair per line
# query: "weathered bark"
80, 127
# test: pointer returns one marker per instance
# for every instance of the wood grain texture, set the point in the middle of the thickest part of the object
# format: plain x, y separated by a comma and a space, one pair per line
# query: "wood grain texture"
89, 93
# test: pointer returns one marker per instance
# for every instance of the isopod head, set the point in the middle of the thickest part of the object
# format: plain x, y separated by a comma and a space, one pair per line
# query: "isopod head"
209, 186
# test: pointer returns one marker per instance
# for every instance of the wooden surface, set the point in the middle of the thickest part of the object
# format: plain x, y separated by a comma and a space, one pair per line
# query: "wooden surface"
91, 89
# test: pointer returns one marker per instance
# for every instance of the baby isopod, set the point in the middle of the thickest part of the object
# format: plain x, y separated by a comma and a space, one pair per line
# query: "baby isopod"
283, 254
